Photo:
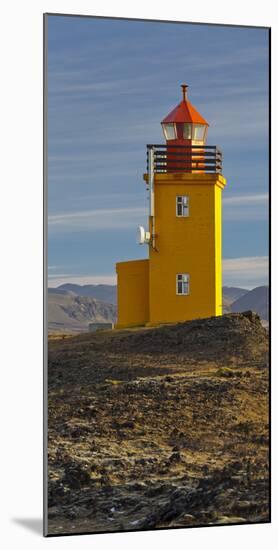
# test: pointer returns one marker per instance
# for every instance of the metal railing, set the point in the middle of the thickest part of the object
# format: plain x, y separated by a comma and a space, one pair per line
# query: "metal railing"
183, 158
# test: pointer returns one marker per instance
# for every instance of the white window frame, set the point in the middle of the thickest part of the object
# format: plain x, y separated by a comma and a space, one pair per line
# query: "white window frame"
195, 129
182, 279
165, 129
183, 202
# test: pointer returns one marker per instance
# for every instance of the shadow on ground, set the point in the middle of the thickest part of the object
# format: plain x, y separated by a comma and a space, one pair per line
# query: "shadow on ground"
32, 524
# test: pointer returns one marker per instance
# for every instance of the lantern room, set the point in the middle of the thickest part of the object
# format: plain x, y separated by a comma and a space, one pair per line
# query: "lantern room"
184, 125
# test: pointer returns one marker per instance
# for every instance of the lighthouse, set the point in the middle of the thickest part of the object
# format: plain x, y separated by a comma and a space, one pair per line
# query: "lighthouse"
182, 277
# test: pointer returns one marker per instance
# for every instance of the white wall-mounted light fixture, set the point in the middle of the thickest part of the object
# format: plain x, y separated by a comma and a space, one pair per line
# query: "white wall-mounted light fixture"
143, 236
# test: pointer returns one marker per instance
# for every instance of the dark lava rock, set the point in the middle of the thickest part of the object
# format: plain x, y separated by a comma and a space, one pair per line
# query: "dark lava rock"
233, 333
251, 316
75, 477
115, 448
175, 457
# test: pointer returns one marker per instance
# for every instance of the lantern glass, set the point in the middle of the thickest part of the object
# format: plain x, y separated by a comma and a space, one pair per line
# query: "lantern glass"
198, 132
169, 131
187, 131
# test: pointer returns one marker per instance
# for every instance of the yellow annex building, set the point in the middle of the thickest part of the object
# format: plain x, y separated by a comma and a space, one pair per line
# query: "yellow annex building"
182, 278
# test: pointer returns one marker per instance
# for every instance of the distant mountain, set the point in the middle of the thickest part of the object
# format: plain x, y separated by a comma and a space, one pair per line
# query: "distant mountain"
106, 293
60, 291
256, 300
232, 293
68, 312
72, 306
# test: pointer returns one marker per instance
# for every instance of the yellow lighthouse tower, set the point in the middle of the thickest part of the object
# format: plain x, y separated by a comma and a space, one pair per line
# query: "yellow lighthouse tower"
182, 278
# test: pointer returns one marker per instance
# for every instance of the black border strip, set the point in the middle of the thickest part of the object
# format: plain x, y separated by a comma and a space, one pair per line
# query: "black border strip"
269, 273
45, 278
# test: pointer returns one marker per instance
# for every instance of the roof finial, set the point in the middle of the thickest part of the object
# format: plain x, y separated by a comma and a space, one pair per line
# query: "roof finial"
184, 91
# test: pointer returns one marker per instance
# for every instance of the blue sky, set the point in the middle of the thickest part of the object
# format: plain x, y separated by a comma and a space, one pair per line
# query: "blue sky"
110, 83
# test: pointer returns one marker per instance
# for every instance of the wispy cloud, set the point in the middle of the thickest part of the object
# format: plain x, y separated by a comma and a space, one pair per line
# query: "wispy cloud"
246, 271
236, 208
60, 279
125, 86
246, 207
93, 220
245, 200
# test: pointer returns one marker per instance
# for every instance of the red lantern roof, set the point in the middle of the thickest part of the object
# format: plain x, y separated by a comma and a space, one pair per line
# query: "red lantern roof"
184, 112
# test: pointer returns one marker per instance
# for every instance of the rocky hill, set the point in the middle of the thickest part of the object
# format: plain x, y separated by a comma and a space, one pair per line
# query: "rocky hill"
256, 299
159, 427
235, 299
68, 312
230, 294
105, 293
108, 293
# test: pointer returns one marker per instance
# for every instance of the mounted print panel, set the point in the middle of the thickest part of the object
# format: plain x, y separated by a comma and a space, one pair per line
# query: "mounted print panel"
156, 191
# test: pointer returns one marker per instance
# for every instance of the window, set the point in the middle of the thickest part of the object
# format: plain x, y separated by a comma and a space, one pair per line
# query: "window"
182, 284
198, 132
182, 206
187, 131
169, 131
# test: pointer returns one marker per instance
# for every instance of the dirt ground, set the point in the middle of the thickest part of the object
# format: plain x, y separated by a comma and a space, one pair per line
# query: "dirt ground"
159, 427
